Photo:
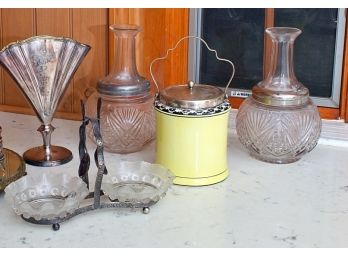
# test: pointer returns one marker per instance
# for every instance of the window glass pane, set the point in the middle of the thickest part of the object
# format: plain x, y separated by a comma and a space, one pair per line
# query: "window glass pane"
237, 35
315, 48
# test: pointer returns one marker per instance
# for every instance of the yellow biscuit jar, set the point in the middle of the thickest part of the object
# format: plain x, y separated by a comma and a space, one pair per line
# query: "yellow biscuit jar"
191, 130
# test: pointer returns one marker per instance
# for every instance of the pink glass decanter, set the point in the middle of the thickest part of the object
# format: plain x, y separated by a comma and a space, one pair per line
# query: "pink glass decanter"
127, 116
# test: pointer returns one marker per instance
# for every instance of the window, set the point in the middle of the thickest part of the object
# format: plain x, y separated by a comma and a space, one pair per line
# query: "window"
238, 35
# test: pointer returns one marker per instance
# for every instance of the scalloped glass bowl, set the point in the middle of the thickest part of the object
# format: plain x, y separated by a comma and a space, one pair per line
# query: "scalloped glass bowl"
137, 182
46, 195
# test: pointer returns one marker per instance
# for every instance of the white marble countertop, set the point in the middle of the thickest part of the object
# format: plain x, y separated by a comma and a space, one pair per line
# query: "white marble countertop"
304, 204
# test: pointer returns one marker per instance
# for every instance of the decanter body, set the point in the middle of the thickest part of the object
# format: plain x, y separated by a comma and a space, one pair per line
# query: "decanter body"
279, 123
127, 116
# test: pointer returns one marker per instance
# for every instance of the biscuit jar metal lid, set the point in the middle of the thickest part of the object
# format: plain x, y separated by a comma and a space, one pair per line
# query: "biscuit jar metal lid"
192, 98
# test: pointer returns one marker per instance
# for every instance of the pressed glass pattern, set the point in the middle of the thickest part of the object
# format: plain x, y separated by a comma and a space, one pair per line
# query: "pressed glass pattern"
126, 126
46, 195
138, 182
277, 136
279, 123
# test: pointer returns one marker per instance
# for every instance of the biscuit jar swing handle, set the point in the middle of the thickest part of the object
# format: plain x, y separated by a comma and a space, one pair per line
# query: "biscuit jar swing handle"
210, 49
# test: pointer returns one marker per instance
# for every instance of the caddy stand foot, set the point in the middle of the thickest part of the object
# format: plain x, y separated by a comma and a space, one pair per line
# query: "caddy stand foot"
55, 226
146, 210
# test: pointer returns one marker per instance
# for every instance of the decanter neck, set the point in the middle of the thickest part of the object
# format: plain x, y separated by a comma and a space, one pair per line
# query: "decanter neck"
125, 60
281, 74
124, 80
281, 88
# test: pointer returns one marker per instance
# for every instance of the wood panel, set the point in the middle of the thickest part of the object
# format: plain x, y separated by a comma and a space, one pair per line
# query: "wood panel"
176, 68
154, 35
269, 22
17, 24
329, 113
344, 88
235, 101
56, 22
137, 16
90, 26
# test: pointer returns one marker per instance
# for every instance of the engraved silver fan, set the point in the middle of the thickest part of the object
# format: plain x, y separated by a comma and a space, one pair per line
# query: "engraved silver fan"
42, 66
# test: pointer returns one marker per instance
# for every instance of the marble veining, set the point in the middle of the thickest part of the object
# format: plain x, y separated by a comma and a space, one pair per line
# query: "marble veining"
303, 204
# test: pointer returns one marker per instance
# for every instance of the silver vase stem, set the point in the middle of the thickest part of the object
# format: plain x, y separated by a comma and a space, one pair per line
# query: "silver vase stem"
46, 132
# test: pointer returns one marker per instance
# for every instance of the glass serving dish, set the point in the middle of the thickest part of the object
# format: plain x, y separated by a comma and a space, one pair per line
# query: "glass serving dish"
137, 182
46, 195
51, 198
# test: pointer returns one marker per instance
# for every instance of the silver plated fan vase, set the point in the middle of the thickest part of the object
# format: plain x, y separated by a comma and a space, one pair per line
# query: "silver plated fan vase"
42, 66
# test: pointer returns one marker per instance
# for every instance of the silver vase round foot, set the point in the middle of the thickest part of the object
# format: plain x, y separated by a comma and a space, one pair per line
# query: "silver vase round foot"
43, 66
47, 155
37, 156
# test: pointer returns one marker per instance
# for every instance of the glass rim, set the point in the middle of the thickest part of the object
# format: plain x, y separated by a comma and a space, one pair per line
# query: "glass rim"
283, 30
132, 27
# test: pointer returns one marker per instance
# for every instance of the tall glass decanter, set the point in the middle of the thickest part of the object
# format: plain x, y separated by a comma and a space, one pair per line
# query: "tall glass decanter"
279, 123
127, 118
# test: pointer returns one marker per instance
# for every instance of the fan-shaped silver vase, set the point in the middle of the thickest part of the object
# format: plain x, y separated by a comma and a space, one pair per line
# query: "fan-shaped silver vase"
42, 66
